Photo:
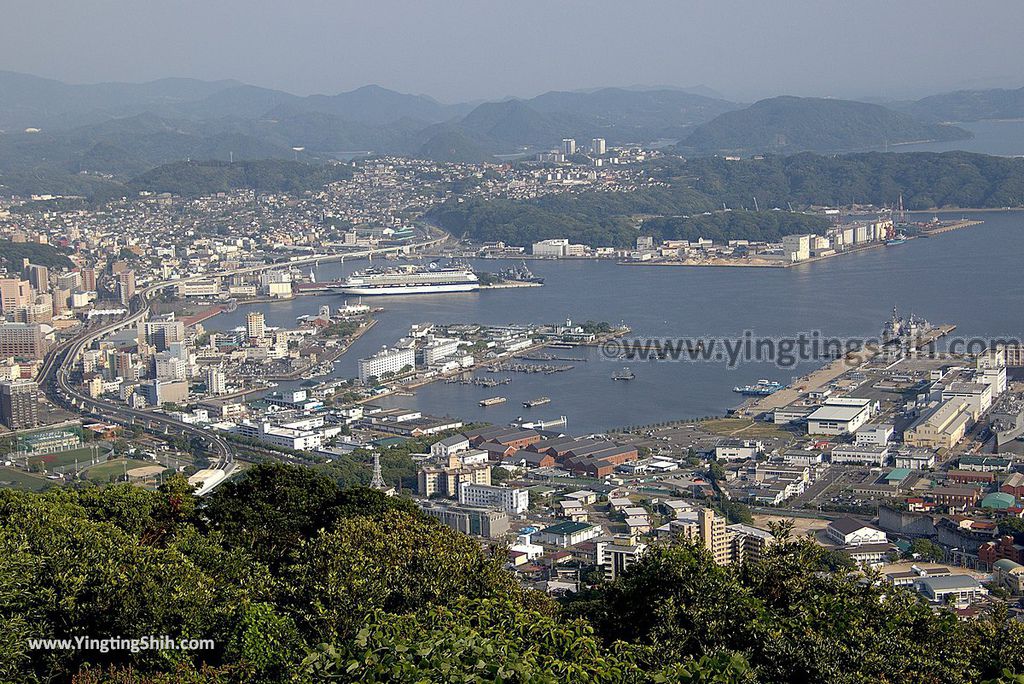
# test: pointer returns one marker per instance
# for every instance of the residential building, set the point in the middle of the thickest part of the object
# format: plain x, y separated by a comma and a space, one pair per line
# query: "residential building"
19, 404
216, 380
255, 325
22, 340
749, 543
445, 480
15, 293
386, 361
617, 558
508, 499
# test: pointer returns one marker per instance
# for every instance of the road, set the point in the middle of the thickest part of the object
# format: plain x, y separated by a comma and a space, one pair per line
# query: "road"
54, 377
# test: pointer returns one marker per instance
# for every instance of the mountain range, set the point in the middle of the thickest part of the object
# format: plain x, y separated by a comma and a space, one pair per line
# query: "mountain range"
49, 128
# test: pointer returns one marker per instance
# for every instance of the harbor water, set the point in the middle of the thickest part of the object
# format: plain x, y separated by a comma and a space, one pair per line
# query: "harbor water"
969, 277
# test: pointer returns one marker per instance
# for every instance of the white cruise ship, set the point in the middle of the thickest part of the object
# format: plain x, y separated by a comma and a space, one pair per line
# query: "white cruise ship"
410, 280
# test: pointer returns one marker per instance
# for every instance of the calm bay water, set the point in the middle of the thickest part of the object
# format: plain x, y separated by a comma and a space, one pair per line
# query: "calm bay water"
1001, 138
969, 277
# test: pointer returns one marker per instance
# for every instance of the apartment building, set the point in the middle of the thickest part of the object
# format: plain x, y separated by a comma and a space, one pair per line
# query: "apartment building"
508, 499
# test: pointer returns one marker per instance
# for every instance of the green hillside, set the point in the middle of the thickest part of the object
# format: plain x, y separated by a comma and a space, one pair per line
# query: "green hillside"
797, 124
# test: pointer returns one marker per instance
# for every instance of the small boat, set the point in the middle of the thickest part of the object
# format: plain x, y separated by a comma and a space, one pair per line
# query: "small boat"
521, 422
539, 401
624, 374
493, 401
898, 240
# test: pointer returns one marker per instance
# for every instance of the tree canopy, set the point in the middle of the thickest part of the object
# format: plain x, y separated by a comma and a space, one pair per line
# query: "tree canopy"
295, 578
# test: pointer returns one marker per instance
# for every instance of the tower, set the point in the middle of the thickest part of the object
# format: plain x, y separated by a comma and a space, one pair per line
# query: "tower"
377, 481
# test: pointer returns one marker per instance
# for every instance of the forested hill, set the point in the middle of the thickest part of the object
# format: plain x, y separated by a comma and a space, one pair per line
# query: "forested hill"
12, 255
969, 105
926, 180
193, 178
797, 124
295, 579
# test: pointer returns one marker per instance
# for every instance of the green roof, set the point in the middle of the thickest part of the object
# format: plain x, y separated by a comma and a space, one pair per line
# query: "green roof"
567, 527
998, 500
897, 474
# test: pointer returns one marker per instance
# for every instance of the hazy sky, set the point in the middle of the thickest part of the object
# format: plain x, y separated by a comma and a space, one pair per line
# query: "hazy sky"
465, 49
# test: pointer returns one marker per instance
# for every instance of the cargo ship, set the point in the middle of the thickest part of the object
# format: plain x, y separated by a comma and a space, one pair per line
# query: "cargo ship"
539, 401
405, 280
761, 388
624, 374
493, 401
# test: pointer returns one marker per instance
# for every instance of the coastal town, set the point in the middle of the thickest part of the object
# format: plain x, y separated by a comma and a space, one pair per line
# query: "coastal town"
401, 343
902, 462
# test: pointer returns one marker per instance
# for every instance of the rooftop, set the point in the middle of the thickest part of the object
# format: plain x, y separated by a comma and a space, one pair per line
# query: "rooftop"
568, 527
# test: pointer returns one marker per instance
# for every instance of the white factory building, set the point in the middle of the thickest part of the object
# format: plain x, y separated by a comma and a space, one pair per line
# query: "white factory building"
839, 416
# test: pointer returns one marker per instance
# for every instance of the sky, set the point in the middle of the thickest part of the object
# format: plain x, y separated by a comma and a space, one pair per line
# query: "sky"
463, 50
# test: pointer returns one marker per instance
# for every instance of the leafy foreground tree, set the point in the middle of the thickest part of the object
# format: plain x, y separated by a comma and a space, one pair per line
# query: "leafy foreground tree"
295, 579
794, 622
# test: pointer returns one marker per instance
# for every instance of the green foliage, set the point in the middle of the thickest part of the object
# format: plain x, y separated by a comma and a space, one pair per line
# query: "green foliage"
794, 623
593, 218
275, 507
760, 226
194, 178
928, 550
297, 579
736, 512
926, 180
496, 641
796, 124
12, 254
389, 563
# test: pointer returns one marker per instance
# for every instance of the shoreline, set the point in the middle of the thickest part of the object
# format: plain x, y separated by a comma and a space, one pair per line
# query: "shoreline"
957, 225
397, 391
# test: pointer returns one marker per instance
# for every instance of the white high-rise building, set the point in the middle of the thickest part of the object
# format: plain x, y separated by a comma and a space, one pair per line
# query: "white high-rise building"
386, 361
216, 381
598, 146
568, 146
